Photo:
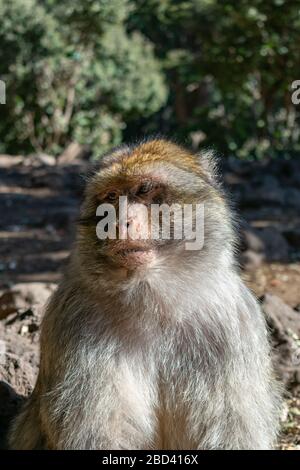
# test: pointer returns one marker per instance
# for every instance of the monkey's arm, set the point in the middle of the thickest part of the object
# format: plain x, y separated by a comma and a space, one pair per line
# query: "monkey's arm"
88, 396
237, 399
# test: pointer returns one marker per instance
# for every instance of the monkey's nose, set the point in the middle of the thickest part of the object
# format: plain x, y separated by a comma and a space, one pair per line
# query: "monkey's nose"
123, 227
124, 224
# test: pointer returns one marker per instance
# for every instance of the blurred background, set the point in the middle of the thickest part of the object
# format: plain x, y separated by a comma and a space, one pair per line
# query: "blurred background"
98, 72
82, 76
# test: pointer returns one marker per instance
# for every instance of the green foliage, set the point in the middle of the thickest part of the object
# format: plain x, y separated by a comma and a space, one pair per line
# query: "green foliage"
73, 73
214, 72
231, 65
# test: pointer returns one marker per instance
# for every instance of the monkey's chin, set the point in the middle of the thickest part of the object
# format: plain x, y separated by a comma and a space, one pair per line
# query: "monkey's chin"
132, 259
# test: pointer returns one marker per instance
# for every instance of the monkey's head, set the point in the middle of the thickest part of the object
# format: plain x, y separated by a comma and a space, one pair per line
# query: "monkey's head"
152, 206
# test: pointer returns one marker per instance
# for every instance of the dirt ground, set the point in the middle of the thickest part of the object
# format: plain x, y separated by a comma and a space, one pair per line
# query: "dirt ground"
39, 203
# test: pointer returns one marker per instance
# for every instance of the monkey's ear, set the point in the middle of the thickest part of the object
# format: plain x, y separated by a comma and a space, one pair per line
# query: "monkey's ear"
209, 164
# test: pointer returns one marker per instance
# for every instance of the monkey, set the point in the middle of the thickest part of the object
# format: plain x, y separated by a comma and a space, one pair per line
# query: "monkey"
146, 344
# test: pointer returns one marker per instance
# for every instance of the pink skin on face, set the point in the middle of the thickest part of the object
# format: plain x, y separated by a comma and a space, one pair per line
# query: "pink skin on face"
133, 248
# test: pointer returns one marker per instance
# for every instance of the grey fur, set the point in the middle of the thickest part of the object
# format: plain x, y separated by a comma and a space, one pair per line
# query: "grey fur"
172, 357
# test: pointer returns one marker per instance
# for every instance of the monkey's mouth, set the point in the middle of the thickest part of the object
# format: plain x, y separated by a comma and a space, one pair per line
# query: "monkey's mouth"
133, 256
131, 250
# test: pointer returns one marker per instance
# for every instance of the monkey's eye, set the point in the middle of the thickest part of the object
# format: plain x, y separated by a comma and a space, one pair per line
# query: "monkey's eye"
112, 195
145, 187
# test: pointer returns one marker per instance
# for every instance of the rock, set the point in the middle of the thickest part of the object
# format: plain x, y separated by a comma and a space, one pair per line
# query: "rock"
18, 373
8, 397
39, 160
284, 317
10, 403
24, 330
285, 326
252, 241
238, 167
17, 379
293, 171
45, 159
251, 260
232, 179
63, 218
271, 190
292, 197
268, 191
23, 296
268, 242
293, 237
7, 304
276, 247
7, 161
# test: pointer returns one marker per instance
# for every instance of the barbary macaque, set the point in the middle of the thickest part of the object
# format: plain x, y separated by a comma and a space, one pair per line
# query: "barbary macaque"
149, 343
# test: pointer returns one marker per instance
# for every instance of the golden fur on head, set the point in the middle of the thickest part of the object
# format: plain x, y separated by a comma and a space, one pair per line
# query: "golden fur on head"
157, 150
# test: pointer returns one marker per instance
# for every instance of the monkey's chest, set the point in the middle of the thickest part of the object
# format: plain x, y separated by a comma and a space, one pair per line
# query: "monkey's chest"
159, 407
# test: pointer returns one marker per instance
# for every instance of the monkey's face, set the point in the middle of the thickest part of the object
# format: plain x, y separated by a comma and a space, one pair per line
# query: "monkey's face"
129, 226
146, 207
